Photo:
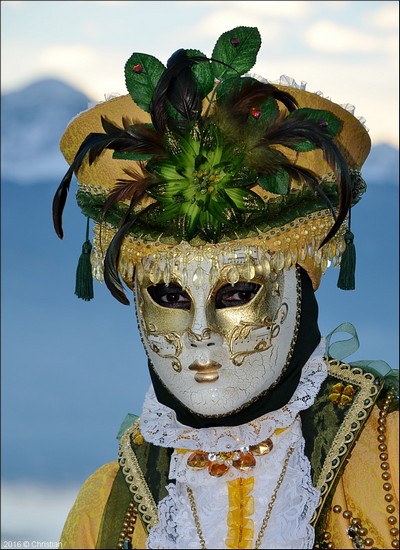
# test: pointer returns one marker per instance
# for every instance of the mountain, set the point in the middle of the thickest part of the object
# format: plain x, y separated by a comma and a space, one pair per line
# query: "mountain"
72, 370
32, 122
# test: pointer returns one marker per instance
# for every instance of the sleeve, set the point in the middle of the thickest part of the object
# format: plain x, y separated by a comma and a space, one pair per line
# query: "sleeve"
83, 522
368, 489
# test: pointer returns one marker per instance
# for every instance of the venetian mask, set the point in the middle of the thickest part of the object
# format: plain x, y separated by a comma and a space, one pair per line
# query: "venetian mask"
218, 327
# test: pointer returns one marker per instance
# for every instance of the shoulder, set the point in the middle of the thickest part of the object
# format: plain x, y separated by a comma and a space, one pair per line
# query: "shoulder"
83, 522
366, 492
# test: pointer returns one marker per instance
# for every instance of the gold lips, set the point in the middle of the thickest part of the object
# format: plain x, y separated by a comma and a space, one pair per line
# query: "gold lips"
205, 372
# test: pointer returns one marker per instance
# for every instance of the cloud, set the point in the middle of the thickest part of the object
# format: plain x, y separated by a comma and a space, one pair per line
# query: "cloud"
216, 23
43, 508
385, 17
288, 9
284, 10
327, 36
54, 56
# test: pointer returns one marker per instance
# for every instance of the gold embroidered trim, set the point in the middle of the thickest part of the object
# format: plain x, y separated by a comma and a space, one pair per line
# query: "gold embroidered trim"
136, 482
350, 427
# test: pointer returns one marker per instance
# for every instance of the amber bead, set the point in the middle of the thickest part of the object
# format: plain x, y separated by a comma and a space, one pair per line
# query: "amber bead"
337, 509
245, 463
394, 531
347, 514
388, 497
217, 470
392, 520
390, 508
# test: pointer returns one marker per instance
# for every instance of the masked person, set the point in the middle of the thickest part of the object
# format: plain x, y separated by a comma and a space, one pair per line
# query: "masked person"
220, 199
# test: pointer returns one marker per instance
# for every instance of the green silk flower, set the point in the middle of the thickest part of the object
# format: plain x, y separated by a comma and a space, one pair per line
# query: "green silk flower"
203, 185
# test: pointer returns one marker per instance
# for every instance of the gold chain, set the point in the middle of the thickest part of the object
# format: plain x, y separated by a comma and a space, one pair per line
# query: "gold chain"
267, 513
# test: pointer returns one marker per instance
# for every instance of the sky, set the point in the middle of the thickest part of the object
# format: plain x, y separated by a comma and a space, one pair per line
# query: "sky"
346, 50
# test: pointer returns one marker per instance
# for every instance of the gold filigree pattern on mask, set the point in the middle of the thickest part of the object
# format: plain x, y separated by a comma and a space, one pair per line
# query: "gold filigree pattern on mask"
243, 331
171, 338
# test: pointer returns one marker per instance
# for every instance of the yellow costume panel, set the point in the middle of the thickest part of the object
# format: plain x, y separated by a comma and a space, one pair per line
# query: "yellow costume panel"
360, 491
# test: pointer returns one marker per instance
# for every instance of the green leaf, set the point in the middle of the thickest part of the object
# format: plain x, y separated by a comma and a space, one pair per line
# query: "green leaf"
131, 156
237, 48
321, 116
244, 178
276, 183
142, 73
202, 73
269, 113
302, 146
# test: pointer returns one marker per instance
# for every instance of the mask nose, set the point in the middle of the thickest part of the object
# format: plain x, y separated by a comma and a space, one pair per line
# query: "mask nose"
206, 339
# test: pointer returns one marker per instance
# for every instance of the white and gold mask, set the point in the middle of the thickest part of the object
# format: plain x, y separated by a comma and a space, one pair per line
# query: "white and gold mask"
220, 328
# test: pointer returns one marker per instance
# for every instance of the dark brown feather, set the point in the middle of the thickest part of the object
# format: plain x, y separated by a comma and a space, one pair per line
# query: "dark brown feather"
133, 189
178, 87
111, 275
295, 130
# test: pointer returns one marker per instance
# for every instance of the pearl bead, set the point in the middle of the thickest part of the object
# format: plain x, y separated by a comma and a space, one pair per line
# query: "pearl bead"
330, 545
387, 486
392, 520
383, 456
395, 543
381, 429
362, 531
388, 497
337, 509
385, 466
382, 447
347, 514
382, 421
390, 509
355, 521
381, 438
394, 531
385, 476
327, 535
368, 542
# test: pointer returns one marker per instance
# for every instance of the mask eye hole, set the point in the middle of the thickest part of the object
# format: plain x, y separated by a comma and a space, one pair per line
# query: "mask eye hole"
171, 296
236, 295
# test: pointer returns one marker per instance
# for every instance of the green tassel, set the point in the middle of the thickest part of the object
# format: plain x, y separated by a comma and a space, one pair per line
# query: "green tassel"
84, 278
346, 279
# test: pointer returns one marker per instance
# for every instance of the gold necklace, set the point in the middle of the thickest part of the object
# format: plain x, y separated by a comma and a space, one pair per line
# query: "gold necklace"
267, 513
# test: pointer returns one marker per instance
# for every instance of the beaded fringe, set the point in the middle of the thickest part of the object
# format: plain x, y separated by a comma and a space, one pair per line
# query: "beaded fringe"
278, 249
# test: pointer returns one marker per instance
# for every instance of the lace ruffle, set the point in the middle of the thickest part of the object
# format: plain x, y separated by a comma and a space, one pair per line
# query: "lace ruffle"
288, 526
160, 426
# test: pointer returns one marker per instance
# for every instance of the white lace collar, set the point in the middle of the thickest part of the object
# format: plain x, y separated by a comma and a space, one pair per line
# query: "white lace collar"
160, 426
